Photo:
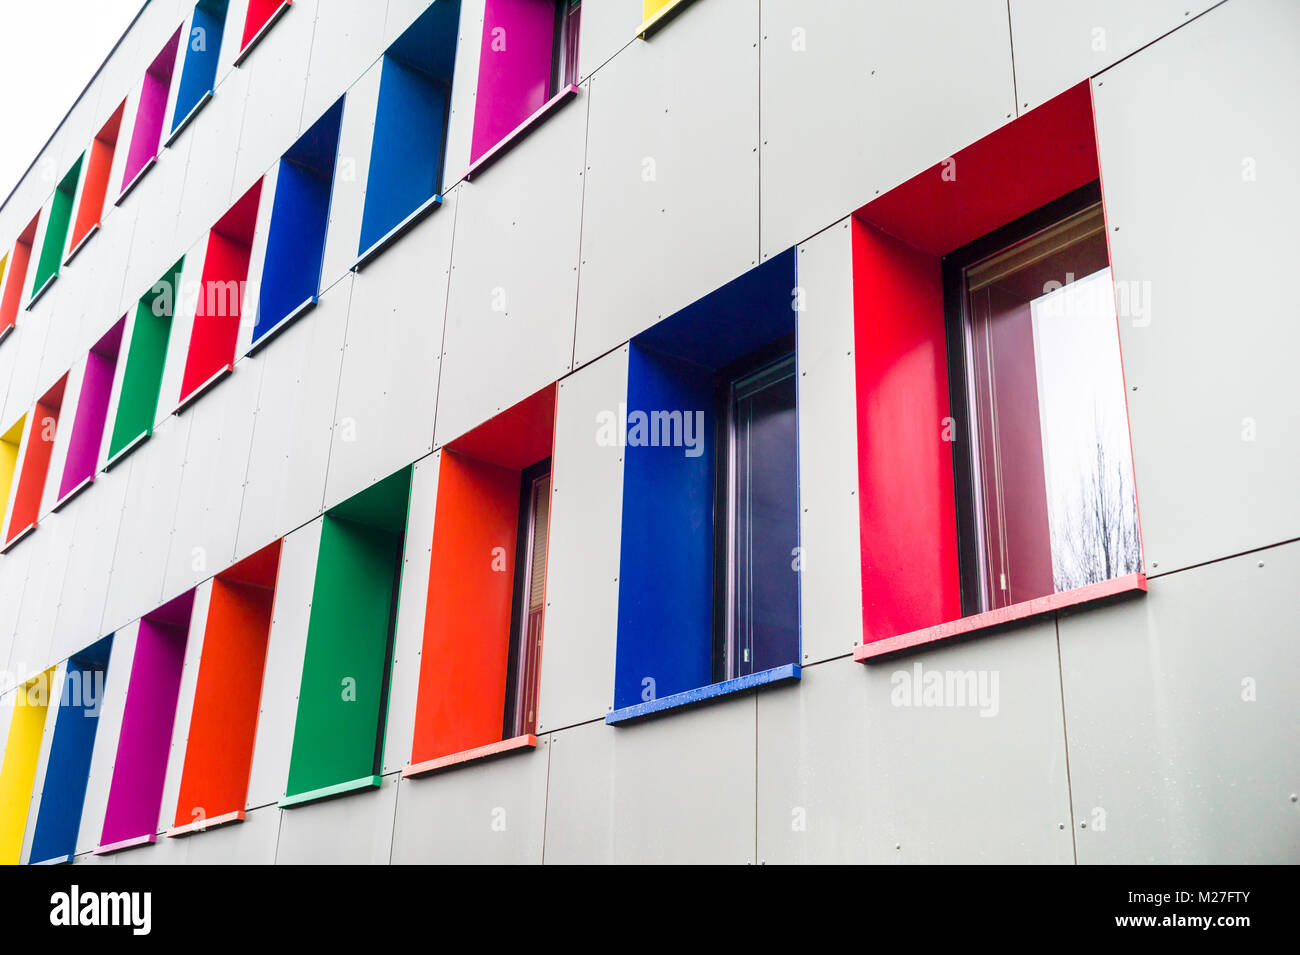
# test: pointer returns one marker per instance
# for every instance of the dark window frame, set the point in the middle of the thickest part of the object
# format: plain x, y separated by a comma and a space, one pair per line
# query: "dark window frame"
513, 724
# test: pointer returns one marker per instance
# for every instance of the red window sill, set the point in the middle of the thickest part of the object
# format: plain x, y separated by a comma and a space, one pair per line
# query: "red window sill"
1105, 591
202, 825
527, 741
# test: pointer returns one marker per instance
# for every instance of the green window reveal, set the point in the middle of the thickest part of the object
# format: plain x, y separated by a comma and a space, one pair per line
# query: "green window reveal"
142, 380
342, 701
56, 231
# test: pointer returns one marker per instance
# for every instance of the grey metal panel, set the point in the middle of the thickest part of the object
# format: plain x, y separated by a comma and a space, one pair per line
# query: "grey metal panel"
949, 784
1183, 719
277, 82
106, 257
675, 789
408, 634
285, 482
28, 343
286, 647
47, 564
209, 181
606, 28
871, 94
144, 535
581, 627
830, 547
348, 38
514, 280
1207, 337
184, 706
216, 462
388, 386
356, 829
1058, 44
464, 86
116, 680
90, 562
185, 306
163, 852
652, 246
251, 842
814, 769
491, 812
154, 248
13, 581
352, 171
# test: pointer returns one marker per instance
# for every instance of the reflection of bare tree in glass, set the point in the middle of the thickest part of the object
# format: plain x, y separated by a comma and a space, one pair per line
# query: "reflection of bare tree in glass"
1098, 536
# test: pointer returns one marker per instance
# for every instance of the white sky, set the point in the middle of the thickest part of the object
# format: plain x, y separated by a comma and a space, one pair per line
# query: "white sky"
49, 50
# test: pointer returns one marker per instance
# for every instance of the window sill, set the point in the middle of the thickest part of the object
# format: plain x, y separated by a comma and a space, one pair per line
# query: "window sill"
4, 332
705, 694
397, 231
281, 325
116, 459
993, 620
201, 390
130, 186
13, 541
256, 38
478, 754
660, 18
520, 132
36, 296
189, 118
126, 844
81, 485
54, 860
328, 792
202, 825
72, 254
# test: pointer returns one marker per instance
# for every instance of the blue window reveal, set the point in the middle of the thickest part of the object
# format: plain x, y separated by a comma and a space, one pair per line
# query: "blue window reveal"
708, 591
202, 50
295, 243
68, 768
406, 156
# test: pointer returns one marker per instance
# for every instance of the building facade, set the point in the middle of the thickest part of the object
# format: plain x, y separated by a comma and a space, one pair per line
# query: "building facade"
746, 431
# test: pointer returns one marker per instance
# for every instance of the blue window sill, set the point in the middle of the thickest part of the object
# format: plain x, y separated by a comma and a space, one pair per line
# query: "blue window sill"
705, 694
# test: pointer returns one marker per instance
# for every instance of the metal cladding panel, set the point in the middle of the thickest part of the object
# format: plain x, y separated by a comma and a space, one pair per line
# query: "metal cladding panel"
408, 636
491, 812
578, 647
285, 482
675, 789
356, 829
347, 40
351, 171
116, 681
90, 561
1175, 156
464, 87
209, 181
185, 305
814, 769
948, 783
184, 705
672, 179
1058, 44
285, 650
212, 480
1182, 717
514, 278
875, 92
277, 83
46, 572
106, 257
28, 342
12, 582
154, 242
388, 387
830, 553
606, 28
251, 842
144, 535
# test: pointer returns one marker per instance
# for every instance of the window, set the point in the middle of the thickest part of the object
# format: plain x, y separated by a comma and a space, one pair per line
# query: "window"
295, 243
149, 115
211, 353
1044, 469
406, 154
199, 74
227, 694
144, 741
989, 390
487, 590
261, 16
528, 66
36, 464
708, 582
22, 752
15, 277
92, 414
56, 231
98, 167
137, 404
343, 696
67, 770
